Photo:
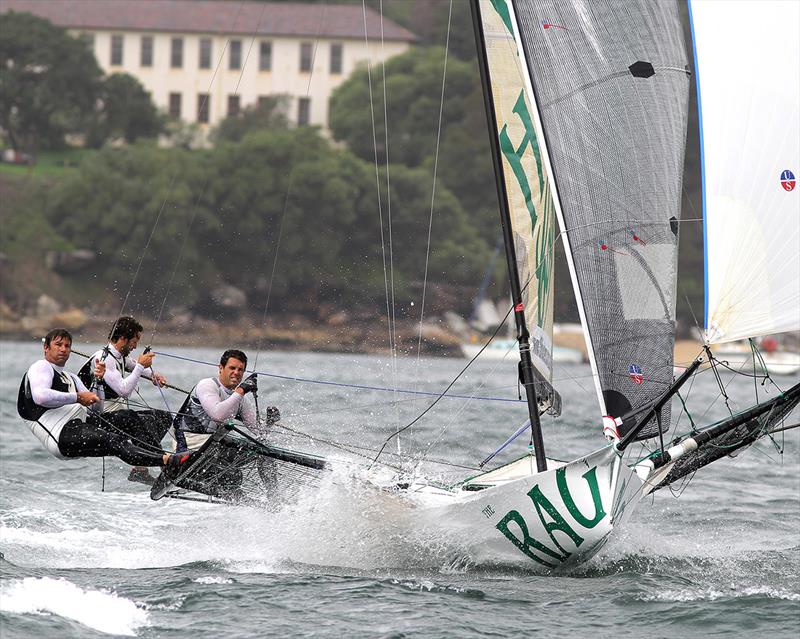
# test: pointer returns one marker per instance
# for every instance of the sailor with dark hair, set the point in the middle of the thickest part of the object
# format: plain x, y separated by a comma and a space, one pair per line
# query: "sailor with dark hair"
120, 382
215, 400
53, 403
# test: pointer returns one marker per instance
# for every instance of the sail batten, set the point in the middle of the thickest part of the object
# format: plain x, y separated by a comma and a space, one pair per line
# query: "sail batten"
612, 86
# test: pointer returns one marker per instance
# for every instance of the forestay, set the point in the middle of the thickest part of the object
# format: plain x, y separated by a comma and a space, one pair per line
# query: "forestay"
611, 83
749, 99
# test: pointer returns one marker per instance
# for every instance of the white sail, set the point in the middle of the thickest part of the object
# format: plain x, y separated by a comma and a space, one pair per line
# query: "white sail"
747, 58
527, 187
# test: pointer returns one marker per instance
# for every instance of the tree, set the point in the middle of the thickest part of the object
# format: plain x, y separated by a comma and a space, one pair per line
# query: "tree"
49, 85
413, 89
126, 112
269, 113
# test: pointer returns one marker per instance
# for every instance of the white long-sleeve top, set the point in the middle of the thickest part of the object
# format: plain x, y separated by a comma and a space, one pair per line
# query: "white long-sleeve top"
220, 403
116, 366
40, 377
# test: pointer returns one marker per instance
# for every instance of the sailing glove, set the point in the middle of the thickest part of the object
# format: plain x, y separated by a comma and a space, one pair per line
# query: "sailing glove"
250, 384
273, 415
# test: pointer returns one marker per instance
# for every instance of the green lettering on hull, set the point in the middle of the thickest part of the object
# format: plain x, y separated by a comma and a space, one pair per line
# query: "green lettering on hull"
552, 520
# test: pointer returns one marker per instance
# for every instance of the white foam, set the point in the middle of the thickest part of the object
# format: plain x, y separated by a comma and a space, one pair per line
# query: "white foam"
103, 611
712, 594
212, 580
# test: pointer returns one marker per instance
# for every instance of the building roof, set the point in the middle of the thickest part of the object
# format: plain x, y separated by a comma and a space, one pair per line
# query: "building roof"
214, 16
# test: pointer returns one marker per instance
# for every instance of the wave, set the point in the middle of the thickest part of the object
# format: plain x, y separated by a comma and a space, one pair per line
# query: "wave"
97, 609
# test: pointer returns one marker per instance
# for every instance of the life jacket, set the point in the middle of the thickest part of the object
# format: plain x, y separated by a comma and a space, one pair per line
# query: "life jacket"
192, 418
46, 423
111, 400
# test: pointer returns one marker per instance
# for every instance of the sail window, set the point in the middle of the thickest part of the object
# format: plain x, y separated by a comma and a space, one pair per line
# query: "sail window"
116, 50
176, 53
205, 53
146, 53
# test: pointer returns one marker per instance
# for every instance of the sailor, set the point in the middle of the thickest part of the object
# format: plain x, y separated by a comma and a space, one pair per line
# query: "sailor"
54, 402
121, 380
215, 400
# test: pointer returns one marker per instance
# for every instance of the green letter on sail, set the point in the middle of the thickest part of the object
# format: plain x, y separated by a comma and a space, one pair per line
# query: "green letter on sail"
502, 10
514, 156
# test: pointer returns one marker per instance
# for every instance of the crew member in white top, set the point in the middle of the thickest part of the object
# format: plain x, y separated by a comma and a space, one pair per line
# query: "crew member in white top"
215, 400
53, 402
146, 427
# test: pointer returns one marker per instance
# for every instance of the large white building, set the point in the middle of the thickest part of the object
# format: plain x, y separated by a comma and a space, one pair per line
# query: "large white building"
202, 60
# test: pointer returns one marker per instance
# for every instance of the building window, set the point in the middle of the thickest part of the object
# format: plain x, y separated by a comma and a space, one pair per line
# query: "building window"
116, 50
176, 53
146, 58
264, 101
233, 106
235, 59
303, 111
265, 57
336, 58
202, 108
175, 105
205, 53
306, 54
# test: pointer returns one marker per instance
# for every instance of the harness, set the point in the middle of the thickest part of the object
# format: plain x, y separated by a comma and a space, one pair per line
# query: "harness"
111, 399
46, 423
191, 417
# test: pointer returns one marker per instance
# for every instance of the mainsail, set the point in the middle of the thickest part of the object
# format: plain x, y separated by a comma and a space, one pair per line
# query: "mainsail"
525, 185
749, 101
611, 84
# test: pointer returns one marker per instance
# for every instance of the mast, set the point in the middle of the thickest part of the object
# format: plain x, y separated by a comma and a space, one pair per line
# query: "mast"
523, 335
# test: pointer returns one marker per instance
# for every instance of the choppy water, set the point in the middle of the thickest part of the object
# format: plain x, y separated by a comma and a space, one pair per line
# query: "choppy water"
723, 559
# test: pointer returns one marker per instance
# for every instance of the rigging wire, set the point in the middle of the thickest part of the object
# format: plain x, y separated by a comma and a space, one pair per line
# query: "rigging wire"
389, 211
289, 185
433, 185
392, 345
170, 186
444, 392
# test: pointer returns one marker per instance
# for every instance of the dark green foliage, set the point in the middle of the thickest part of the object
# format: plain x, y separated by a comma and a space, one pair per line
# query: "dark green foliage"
413, 90
126, 112
269, 113
49, 84
216, 217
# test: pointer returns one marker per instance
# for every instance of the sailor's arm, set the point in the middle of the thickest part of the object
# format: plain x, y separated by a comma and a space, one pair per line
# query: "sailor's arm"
148, 372
85, 396
123, 386
249, 414
40, 377
218, 410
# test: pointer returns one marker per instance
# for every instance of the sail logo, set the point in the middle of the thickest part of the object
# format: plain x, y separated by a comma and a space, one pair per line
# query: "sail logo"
787, 180
553, 521
635, 373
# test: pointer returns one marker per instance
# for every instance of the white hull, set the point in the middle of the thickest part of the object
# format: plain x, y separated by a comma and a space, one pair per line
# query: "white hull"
551, 520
